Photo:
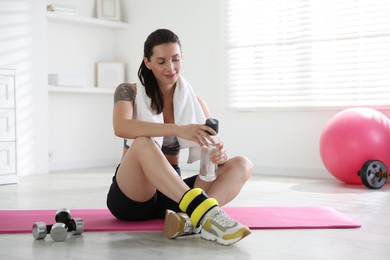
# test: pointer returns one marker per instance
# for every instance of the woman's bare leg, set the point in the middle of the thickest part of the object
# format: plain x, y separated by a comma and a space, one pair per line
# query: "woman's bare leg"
144, 169
232, 176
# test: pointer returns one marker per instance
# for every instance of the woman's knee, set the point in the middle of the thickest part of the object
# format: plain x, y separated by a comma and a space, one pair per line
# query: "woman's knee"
142, 144
143, 141
244, 164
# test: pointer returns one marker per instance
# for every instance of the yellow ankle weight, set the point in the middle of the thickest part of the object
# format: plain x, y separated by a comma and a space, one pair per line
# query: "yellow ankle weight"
201, 210
188, 197
196, 204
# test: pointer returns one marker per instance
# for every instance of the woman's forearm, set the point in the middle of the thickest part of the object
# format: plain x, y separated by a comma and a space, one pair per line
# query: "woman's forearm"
132, 129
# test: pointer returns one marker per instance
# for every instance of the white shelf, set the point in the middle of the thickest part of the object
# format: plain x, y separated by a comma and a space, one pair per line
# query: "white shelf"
70, 18
85, 90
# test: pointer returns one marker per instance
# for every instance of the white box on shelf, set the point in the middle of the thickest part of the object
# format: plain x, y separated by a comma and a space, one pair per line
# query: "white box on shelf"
110, 74
68, 80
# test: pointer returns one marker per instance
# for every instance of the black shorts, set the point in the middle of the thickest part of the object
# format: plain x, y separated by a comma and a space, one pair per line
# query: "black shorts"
124, 208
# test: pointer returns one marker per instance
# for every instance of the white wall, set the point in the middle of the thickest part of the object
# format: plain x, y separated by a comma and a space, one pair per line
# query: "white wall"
80, 125
76, 129
80, 133
23, 48
199, 25
278, 142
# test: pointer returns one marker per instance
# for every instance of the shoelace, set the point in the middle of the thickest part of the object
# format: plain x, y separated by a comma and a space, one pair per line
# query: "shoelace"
221, 218
187, 224
188, 227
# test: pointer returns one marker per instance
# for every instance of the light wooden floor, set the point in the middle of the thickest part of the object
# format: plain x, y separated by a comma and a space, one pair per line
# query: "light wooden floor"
87, 189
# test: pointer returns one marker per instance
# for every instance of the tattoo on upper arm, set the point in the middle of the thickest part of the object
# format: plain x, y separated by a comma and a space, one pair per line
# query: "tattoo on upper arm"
125, 91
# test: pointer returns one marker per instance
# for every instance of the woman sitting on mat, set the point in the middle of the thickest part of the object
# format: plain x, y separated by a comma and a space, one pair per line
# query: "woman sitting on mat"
157, 117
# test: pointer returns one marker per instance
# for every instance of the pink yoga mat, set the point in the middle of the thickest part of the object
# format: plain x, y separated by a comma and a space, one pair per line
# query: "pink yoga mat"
21, 221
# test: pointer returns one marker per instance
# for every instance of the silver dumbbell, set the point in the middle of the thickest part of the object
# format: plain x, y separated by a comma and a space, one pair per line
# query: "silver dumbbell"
63, 216
59, 230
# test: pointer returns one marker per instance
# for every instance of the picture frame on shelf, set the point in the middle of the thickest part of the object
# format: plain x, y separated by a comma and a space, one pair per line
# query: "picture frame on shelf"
110, 74
108, 10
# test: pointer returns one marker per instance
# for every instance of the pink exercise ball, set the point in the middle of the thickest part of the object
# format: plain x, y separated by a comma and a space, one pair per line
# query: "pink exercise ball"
352, 137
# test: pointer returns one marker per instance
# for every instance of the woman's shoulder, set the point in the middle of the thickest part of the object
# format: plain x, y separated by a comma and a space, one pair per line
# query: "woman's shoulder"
127, 86
126, 92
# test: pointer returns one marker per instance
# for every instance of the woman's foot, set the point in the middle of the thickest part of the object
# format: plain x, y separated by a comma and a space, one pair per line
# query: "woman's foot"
219, 227
178, 224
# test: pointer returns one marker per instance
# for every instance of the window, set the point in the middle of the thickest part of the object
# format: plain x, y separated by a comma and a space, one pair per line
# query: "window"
307, 53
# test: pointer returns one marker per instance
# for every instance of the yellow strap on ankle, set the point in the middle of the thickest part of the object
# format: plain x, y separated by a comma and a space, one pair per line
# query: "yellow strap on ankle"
201, 210
188, 197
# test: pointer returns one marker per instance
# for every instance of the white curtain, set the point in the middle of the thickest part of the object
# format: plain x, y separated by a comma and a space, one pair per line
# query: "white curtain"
307, 53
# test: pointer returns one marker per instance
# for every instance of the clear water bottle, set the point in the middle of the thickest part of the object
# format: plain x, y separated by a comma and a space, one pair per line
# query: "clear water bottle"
208, 170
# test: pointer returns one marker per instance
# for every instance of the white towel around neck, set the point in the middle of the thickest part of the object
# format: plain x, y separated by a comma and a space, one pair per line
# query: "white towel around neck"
187, 110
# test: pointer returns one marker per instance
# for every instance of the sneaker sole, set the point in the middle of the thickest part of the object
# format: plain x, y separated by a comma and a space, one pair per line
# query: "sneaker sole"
173, 224
227, 239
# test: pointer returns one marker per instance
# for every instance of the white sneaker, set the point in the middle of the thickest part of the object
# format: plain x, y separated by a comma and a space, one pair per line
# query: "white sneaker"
178, 224
217, 226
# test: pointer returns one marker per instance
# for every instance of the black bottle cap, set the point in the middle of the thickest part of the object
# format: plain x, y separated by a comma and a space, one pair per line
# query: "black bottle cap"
213, 123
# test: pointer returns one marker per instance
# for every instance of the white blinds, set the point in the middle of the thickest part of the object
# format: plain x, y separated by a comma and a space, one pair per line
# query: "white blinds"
308, 53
